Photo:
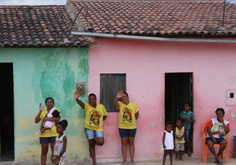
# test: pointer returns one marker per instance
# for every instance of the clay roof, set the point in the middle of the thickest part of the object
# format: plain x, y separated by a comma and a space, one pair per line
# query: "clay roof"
36, 26
154, 18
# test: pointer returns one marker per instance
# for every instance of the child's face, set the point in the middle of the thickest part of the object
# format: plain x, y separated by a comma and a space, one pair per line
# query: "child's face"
187, 108
60, 129
169, 127
178, 123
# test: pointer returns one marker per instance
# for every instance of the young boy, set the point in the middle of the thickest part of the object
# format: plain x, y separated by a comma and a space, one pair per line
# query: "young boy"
179, 134
188, 118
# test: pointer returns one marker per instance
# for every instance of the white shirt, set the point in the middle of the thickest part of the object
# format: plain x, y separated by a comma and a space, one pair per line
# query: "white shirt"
169, 140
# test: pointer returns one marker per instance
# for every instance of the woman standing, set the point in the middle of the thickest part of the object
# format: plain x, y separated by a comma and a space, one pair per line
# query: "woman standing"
49, 135
128, 114
94, 115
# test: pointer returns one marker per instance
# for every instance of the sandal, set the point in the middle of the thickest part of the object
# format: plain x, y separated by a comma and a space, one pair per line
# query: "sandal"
125, 163
220, 163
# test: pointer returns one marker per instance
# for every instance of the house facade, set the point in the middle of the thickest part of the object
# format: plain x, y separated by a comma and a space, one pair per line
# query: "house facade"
161, 76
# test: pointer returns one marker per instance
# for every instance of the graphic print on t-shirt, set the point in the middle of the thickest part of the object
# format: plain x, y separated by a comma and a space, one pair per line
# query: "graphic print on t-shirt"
218, 130
127, 115
95, 117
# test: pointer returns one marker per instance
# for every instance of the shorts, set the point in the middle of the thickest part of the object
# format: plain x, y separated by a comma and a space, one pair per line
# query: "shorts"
187, 139
127, 132
219, 140
91, 134
179, 146
46, 140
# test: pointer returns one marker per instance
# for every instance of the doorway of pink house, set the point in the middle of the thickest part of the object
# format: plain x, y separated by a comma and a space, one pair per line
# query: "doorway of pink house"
178, 90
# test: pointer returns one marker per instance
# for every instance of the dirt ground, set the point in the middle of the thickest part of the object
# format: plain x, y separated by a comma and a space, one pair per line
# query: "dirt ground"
187, 161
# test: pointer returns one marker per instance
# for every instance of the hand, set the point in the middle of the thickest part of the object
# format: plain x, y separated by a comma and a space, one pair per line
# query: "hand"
40, 107
215, 141
164, 146
187, 119
174, 147
57, 159
76, 94
44, 121
119, 94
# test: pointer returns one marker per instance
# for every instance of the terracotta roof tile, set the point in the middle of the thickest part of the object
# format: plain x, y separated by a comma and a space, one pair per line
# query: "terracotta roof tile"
36, 26
157, 18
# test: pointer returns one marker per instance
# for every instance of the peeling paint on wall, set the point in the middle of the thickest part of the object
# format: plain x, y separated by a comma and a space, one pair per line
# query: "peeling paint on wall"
42, 73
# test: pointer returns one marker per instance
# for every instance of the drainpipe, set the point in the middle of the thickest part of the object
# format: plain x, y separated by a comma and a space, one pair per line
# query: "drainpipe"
119, 36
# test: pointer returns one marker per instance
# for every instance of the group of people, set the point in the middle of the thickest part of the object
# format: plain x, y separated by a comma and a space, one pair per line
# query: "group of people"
175, 140
51, 130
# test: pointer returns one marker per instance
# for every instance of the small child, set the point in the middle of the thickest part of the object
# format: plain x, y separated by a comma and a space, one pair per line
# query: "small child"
48, 124
188, 118
179, 134
59, 149
168, 141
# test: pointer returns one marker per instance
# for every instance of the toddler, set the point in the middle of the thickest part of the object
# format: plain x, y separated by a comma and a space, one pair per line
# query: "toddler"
168, 141
179, 134
48, 124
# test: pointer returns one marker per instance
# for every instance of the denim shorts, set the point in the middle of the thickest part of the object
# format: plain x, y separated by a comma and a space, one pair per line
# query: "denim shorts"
127, 132
91, 134
219, 140
46, 140
187, 139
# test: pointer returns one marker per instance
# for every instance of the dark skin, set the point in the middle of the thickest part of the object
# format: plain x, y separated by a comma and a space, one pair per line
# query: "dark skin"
187, 110
50, 105
169, 127
179, 127
60, 131
98, 140
128, 140
220, 118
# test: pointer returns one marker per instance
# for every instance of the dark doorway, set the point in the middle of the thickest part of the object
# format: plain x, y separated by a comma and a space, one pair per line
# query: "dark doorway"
178, 90
6, 112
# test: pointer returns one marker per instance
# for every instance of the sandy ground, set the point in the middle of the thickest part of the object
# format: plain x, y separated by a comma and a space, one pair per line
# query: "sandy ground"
192, 161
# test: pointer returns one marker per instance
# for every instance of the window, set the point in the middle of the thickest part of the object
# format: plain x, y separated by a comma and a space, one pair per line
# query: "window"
110, 84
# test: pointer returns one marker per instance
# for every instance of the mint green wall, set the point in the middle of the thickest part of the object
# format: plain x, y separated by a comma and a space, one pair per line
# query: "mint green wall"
38, 74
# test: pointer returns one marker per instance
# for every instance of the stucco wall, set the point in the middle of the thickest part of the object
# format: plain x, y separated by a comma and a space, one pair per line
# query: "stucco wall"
145, 63
38, 74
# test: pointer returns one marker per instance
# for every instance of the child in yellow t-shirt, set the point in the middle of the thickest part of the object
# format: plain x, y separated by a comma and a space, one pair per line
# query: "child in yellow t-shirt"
179, 134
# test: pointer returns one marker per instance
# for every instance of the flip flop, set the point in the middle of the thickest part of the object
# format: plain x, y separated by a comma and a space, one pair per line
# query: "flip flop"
220, 163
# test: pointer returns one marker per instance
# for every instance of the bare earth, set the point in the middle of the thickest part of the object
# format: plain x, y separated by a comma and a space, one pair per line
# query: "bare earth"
192, 161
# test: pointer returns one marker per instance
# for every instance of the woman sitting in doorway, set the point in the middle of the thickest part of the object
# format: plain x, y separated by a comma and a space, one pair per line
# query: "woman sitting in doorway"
216, 131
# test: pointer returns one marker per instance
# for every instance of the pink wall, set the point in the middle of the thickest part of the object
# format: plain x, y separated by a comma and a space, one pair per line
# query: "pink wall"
145, 63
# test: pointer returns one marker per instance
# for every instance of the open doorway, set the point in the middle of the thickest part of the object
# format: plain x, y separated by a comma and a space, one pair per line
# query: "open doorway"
178, 90
6, 112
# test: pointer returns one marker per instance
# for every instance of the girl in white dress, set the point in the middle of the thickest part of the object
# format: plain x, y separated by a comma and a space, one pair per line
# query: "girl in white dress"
168, 141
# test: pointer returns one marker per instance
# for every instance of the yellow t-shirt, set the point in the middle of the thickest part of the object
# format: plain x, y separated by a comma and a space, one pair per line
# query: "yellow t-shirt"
179, 134
127, 118
49, 132
94, 116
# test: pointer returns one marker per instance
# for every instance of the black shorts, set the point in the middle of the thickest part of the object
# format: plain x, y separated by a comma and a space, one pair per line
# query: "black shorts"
46, 140
127, 132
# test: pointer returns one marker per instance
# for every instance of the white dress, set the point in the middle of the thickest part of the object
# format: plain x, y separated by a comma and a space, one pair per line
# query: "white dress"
169, 140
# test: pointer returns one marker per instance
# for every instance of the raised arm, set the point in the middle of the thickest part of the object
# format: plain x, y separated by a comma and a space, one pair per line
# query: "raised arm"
37, 118
76, 94
118, 96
